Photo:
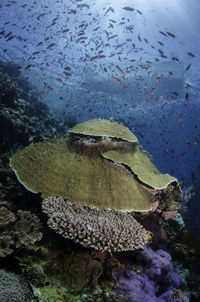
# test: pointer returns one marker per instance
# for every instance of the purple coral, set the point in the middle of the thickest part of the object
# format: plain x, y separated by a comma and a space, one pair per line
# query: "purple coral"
154, 279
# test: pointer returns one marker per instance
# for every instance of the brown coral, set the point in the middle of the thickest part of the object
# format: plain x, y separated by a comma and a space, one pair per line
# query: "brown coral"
6, 243
100, 229
6, 216
17, 230
27, 229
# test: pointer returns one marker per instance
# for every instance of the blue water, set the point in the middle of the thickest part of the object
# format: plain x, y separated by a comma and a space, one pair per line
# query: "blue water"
136, 61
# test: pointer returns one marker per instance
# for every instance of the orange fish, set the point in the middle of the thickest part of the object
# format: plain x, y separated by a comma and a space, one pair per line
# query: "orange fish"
196, 141
160, 98
59, 80
28, 66
94, 58
153, 89
69, 105
67, 68
120, 70
116, 79
67, 74
41, 92
31, 91
187, 142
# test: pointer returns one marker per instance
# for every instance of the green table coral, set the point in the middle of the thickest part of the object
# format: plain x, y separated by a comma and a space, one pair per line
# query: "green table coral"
141, 164
104, 128
51, 168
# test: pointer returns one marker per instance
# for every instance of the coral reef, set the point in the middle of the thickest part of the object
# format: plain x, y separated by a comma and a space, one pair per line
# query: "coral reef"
118, 180
142, 275
102, 296
13, 288
51, 295
8, 90
187, 194
166, 204
24, 118
23, 121
185, 251
154, 224
57, 274
93, 228
152, 278
90, 180
17, 230
26, 228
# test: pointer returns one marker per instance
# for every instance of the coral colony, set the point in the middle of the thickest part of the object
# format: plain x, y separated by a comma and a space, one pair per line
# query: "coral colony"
102, 190
100, 175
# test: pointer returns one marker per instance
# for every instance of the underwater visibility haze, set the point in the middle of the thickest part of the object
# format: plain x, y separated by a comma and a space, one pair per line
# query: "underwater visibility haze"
66, 62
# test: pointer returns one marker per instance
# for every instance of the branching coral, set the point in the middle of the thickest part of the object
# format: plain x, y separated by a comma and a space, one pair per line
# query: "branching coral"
101, 229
